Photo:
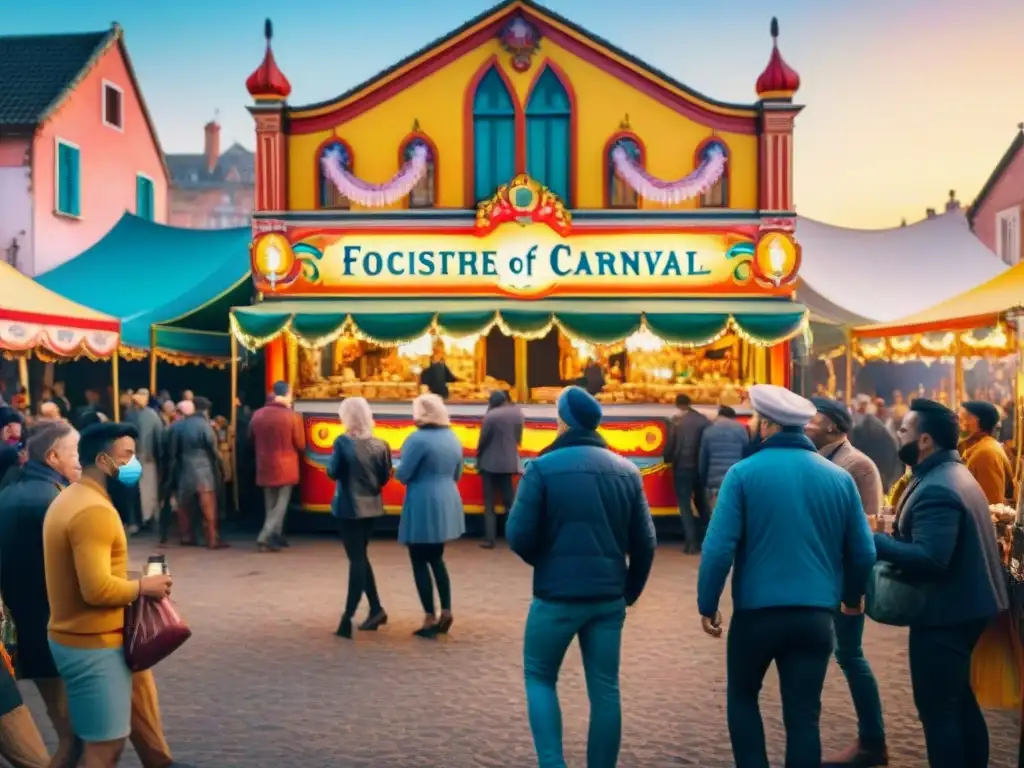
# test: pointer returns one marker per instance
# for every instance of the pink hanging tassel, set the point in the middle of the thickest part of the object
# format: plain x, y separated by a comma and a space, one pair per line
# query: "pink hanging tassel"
375, 195
669, 192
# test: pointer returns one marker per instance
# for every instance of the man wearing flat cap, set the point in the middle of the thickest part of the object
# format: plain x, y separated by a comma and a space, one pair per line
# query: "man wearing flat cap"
829, 430
791, 526
982, 453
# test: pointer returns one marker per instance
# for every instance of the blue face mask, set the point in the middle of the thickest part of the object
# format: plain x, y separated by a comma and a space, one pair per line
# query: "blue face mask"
128, 474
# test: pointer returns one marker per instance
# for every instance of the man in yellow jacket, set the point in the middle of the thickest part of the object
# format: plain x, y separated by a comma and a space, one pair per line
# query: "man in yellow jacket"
983, 454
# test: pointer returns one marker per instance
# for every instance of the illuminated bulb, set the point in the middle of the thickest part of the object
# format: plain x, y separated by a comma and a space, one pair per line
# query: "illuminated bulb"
274, 259
776, 258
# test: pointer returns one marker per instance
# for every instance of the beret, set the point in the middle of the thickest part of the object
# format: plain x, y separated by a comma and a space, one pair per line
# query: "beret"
836, 412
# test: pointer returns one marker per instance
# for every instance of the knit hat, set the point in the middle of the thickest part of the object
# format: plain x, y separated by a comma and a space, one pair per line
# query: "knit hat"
835, 411
987, 414
579, 409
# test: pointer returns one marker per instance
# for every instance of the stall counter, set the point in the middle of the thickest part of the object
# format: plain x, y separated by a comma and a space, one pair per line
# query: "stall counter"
637, 432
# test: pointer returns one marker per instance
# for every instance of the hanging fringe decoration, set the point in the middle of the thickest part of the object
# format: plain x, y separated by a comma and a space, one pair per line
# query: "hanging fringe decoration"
670, 192
375, 195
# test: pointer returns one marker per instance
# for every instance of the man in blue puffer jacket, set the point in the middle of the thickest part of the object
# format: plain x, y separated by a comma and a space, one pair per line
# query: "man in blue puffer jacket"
581, 520
790, 525
724, 443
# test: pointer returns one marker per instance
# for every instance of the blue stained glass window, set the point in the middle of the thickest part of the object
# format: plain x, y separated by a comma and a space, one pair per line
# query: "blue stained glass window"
548, 139
494, 136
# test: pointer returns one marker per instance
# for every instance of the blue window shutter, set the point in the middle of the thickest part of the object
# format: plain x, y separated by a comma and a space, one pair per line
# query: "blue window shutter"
75, 182
68, 191
144, 204
494, 136
548, 139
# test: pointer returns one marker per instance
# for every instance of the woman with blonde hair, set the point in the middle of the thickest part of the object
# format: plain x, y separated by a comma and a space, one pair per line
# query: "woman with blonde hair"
429, 467
361, 467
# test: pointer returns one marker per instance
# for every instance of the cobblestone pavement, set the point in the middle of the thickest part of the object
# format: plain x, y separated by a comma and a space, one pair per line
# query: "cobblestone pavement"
264, 683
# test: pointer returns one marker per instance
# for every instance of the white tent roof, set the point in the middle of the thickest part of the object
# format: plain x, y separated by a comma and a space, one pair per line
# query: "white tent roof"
886, 274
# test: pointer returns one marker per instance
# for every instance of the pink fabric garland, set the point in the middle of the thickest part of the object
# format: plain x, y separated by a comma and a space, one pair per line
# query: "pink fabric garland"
375, 195
669, 192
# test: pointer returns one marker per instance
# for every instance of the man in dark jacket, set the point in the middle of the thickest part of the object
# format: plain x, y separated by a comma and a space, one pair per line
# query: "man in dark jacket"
682, 451
497, 458
11, 426
52, 464
581, 520
944, 540
723, 444
871, 437
437, 376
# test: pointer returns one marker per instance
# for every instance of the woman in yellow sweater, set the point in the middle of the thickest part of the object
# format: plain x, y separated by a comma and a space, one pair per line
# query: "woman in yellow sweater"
86, 559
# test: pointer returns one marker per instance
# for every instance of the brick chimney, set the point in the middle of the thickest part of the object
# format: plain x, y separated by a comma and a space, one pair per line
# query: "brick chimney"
211, 146
952, 204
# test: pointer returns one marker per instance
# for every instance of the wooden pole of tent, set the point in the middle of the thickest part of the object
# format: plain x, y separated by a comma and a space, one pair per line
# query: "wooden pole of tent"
234, 419
115, 380
23, 379
152, 360
849, 368
958, 376
522, 384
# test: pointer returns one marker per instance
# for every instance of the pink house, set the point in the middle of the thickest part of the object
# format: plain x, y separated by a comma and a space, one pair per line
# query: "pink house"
77, 146
996, 214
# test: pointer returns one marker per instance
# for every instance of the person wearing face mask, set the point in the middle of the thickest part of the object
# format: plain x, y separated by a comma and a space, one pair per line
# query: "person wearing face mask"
11, 426
85, 554
790, 525
943, 540
51, 466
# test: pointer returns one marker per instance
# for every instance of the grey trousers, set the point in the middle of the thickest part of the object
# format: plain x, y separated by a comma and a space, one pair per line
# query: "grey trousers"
275, 501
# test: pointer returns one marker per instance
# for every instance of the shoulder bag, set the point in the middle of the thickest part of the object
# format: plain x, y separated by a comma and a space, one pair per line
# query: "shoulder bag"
153, 630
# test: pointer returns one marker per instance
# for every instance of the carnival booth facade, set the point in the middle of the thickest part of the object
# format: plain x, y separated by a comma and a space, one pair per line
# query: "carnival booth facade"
501, 198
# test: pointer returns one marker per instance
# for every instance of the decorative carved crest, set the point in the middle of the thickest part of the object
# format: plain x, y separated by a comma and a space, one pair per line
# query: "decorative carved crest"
521, 39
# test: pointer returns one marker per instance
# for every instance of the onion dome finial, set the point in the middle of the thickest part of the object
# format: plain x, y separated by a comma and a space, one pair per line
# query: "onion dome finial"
779, 81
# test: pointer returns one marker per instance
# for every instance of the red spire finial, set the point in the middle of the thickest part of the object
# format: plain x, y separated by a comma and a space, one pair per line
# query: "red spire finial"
268, 83
779, 81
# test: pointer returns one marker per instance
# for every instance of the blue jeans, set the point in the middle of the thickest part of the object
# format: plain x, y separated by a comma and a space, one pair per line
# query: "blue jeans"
863, 687
550, 628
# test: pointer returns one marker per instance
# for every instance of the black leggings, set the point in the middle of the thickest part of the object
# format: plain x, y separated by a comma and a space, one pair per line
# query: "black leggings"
427, 558
355, 535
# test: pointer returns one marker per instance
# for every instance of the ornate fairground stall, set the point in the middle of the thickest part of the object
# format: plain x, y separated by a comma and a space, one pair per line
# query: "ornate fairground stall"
529, 201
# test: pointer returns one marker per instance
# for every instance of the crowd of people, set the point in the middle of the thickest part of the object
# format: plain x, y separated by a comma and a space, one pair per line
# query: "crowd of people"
786, 504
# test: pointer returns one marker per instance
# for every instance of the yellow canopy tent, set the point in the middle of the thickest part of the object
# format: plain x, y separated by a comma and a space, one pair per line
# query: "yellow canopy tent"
37, 321
985, 319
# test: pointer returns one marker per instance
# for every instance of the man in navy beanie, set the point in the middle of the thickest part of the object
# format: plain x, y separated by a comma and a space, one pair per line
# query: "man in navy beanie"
581, 520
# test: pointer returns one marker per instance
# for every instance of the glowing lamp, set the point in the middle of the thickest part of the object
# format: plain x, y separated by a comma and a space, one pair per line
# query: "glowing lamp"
273, 258
776, 258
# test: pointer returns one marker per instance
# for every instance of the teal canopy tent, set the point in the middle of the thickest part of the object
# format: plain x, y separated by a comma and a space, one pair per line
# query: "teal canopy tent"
169, 284
394, 321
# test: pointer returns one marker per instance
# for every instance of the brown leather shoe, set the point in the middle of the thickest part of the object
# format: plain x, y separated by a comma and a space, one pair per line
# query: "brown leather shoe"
857, 756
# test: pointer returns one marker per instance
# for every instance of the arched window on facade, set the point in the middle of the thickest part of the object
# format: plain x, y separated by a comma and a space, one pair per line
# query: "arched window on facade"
718, 195
548, 138
620, 194
494, 136
424, 194
330, 197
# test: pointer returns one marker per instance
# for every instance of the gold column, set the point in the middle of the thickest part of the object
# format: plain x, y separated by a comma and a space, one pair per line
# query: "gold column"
291, 361
233, 434
848, 385
958, 376
115, 380
480, 358
23, 378
522, 386
152, 360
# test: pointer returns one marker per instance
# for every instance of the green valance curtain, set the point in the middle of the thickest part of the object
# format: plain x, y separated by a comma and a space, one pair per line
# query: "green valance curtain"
389, 322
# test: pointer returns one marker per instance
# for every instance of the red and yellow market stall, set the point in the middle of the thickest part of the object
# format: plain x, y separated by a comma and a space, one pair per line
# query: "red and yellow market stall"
526, 236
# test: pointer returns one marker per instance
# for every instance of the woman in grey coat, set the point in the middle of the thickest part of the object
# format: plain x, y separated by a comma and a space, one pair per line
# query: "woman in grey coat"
361, 466
429, 467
